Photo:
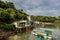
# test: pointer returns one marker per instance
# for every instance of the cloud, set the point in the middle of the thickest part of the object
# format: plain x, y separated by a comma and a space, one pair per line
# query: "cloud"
44, 12
38, 7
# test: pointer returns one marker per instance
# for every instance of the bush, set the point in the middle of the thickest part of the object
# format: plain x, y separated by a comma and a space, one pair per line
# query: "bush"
10, 27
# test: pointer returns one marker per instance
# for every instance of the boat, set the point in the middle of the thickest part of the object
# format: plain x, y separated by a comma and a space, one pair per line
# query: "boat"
46, 33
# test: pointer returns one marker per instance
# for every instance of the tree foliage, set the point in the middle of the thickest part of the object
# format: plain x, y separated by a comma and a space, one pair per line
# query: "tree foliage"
9, 14
43, 18
6, 5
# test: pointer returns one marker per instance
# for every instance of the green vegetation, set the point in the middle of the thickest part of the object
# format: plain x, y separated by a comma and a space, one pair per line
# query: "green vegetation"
8, 27
44, 19
57, 21
9, 14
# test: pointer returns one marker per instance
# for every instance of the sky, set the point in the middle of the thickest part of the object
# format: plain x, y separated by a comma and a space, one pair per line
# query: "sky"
38, 7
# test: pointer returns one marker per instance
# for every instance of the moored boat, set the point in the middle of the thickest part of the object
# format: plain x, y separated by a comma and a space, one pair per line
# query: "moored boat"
44, 33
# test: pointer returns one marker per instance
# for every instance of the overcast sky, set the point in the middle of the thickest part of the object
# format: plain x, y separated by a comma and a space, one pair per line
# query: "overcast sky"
38, 7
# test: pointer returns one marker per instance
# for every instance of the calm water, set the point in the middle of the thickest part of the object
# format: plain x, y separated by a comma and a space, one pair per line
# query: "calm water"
29, 36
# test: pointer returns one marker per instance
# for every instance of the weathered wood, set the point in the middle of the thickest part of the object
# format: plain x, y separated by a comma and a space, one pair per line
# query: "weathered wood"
27, 29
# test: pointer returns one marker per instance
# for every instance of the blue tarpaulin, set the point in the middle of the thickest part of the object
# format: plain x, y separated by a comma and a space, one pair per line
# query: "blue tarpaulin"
38, 38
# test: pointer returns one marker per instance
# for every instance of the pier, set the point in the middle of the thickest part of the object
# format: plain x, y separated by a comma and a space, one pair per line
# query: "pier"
25, 29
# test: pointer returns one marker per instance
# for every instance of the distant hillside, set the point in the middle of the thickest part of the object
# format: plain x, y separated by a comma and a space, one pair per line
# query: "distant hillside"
44, 18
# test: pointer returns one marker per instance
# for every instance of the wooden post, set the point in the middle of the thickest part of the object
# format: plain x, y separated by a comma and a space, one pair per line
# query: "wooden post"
27, 29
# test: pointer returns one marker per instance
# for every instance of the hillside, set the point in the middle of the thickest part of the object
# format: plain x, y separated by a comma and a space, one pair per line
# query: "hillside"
9, 14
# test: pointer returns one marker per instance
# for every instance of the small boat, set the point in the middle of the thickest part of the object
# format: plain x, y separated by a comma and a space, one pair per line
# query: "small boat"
46, 33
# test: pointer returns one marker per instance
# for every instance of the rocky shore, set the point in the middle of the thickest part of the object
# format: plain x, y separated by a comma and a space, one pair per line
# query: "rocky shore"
5, 34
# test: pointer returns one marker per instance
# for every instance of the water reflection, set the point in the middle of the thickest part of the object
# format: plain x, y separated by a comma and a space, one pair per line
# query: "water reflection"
29, 36
56, 34
20, 36
13, 37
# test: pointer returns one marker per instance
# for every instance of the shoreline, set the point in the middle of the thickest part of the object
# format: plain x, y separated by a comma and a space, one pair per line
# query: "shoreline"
6, 34
48, 23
